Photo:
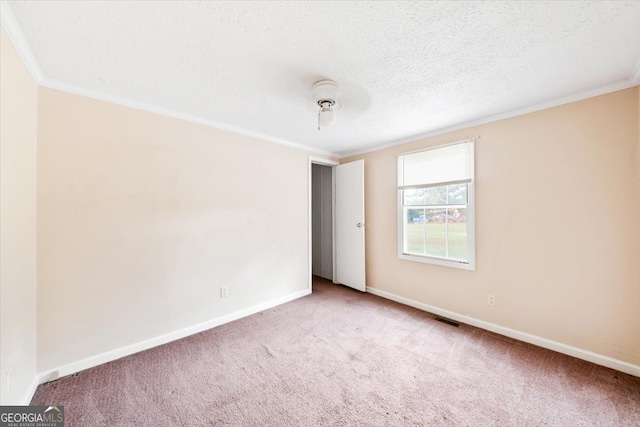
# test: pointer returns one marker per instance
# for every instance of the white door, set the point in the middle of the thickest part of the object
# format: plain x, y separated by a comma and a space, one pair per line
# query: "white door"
349, 224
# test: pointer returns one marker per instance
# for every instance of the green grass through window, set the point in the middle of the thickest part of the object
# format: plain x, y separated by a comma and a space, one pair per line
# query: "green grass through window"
431, 239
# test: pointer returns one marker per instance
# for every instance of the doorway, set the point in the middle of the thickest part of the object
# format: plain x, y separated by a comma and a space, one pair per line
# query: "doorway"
321, 218
336, 222
322, 221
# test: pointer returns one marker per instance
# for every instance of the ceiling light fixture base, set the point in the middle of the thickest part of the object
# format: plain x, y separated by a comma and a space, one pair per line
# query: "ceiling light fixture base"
326, 94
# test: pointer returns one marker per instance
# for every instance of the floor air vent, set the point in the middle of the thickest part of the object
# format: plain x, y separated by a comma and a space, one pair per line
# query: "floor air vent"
447, 321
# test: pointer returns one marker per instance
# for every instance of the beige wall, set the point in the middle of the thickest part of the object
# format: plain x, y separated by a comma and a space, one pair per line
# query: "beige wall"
18, 128
557, 220
142, 218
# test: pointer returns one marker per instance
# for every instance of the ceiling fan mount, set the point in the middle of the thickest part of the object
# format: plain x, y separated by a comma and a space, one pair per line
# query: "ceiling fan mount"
327, 95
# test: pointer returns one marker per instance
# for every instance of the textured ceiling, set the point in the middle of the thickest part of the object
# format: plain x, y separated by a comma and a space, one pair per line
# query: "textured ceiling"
405, 68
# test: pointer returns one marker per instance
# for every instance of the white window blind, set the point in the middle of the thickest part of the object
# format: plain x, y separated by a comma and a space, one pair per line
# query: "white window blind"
436, 167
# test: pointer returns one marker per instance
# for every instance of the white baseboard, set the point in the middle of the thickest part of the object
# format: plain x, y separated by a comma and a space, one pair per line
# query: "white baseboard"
109, 356
579, 353
31, 391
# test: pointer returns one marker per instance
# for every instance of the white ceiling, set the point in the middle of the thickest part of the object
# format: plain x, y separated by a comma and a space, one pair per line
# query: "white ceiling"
405, 68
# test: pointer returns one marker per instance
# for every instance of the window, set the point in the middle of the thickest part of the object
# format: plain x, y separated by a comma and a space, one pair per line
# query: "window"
435, 206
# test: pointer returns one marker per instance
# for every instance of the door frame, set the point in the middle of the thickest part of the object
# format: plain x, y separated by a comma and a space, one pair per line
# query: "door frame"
331, 163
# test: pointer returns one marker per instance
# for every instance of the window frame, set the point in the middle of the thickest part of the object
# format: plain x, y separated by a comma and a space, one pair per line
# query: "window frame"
470, 265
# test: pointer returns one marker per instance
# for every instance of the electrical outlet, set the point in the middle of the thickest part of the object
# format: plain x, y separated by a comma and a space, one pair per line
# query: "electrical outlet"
491, 300
224, 292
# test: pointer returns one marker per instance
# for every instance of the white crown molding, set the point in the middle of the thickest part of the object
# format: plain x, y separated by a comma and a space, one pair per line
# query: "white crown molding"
635, 77
10, 25
152, 108
579, 353
109, 356
156, 109
16, 36
8, 21
496, 117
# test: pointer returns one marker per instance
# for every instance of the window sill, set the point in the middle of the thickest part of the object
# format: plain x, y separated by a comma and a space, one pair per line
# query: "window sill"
470, 266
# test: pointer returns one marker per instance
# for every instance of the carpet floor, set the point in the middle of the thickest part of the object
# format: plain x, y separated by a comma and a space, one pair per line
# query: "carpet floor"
342, 358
